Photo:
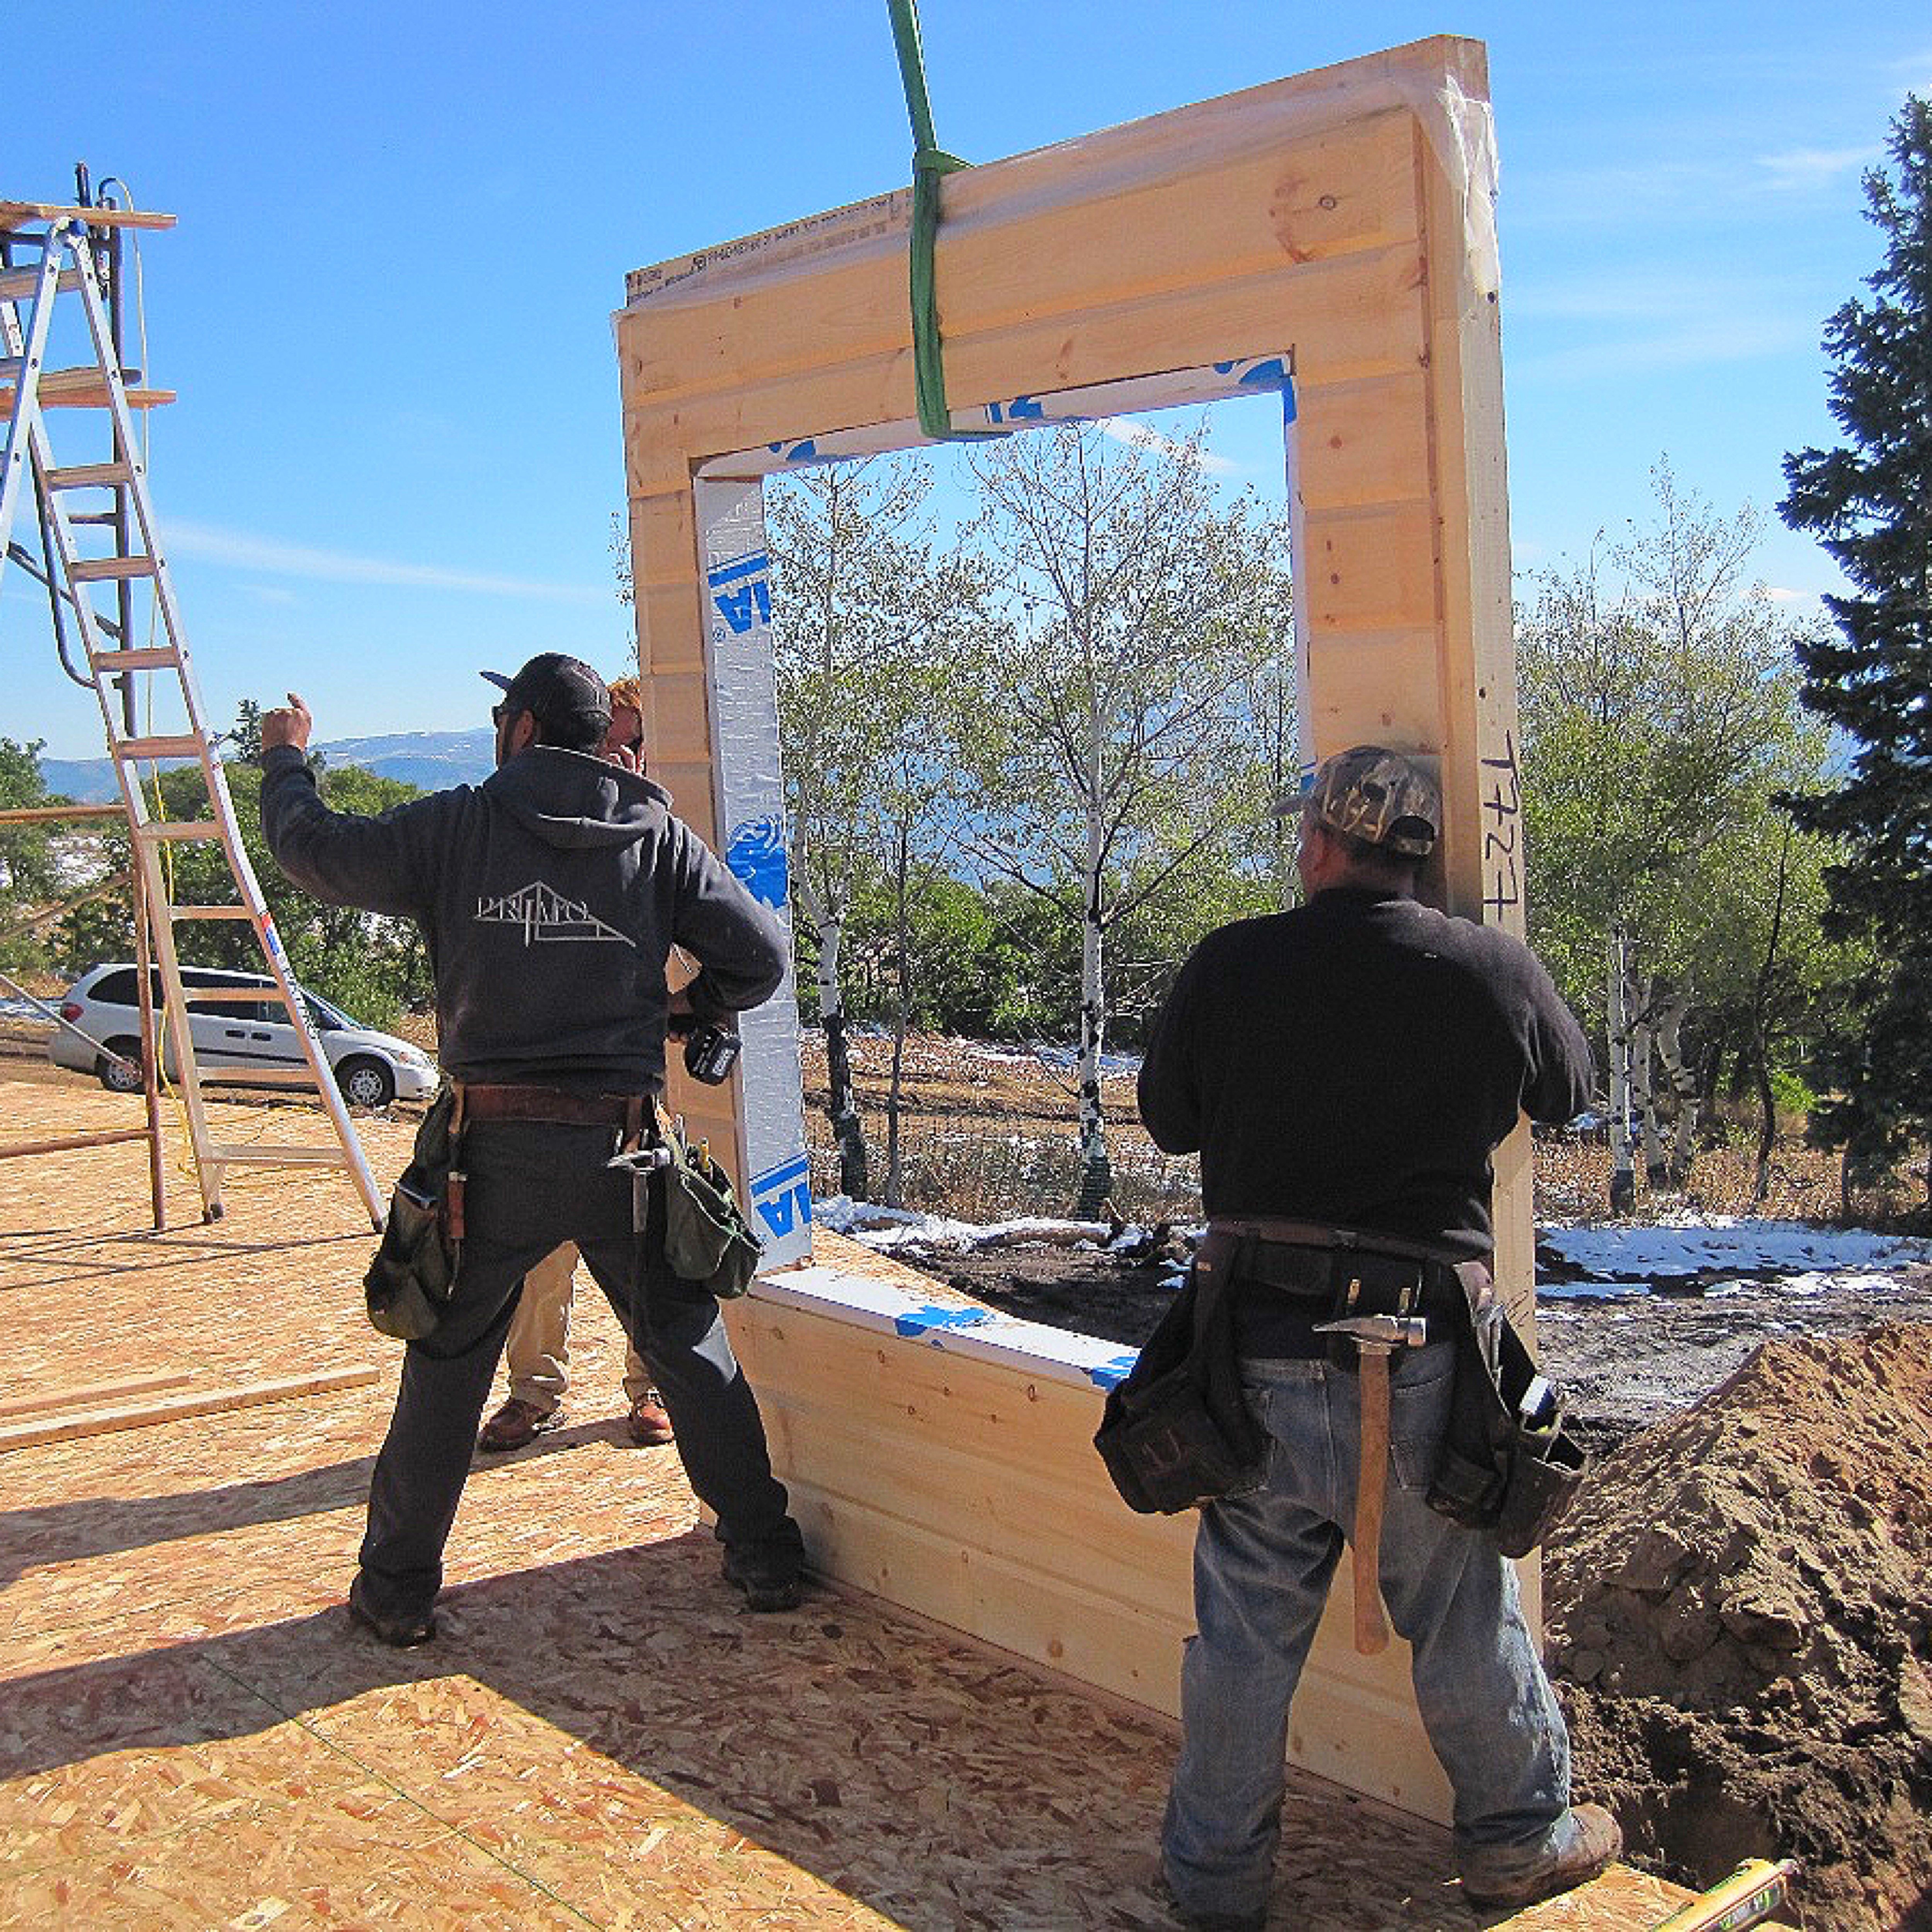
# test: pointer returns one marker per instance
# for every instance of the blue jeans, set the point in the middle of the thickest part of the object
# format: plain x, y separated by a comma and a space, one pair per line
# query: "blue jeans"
1262, 1563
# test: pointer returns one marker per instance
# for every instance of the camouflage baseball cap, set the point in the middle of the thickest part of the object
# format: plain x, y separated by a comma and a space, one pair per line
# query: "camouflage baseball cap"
1377, 795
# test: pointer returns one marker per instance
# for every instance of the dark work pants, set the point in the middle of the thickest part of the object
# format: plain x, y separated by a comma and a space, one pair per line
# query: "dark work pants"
532, 1185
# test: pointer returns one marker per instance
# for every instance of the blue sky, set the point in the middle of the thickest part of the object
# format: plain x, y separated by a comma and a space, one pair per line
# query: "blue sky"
403, 229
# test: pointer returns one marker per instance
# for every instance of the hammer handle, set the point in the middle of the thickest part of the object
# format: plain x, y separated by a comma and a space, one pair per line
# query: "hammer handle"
1371, 1630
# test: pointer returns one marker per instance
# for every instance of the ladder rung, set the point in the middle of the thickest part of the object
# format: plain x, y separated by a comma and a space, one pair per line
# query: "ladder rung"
149, 657
182, 833
16, 284
209, 912
264, 1156
87, 476
93, 570
92, 394
256, 1076
184, 746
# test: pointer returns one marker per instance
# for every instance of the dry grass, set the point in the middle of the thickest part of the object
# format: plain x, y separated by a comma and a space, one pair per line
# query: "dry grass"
989, 1133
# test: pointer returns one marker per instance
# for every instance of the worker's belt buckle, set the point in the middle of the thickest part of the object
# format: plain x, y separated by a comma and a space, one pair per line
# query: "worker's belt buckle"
1342, 1282
1365, 1284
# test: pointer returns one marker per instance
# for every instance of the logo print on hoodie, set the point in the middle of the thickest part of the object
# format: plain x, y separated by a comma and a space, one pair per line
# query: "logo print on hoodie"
546, 915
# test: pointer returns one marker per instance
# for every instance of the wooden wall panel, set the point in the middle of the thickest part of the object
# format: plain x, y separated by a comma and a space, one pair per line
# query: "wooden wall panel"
1372, 685
1364, 441
1020, 246
1342, 219
1369, 569
965, 1486
1360, 316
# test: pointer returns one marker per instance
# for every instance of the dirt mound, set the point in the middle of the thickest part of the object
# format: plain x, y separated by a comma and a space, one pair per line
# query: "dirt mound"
1739, 1613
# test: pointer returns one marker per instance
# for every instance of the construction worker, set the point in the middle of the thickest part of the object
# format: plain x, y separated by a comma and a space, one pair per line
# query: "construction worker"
550, 896
1346, 1070
536, 1353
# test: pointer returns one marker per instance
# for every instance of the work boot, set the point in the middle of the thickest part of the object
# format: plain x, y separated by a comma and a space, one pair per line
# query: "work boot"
1593, 1840
1207, 1919
515, 1425
649, 1426
399, 1633
770, 1572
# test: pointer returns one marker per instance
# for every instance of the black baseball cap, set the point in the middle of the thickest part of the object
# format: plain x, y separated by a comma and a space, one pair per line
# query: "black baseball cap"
568, 699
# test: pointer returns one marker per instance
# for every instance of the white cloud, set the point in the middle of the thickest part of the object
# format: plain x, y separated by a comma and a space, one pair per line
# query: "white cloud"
1802, 169
240, 551
1124, 429
1913, 72
1697, 342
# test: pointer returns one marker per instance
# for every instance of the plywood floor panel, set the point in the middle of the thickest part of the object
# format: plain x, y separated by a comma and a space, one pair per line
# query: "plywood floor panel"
193, 1734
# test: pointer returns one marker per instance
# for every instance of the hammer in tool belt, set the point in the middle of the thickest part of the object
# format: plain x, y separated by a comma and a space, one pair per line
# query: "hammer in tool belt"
1376, 1338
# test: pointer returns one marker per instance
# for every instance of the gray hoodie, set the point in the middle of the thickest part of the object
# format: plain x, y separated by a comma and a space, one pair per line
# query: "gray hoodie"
550, 896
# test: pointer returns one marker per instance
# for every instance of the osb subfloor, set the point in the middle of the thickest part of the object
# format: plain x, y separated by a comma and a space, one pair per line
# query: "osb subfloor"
192, 1735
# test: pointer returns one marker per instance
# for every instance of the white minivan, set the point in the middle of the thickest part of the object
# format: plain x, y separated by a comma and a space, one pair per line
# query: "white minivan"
231, 1038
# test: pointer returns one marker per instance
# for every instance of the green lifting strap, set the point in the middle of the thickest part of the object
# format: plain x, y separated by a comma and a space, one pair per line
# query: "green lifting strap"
929, 162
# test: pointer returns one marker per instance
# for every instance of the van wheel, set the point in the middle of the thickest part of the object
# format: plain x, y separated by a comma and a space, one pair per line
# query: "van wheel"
116, 1077
366, 1083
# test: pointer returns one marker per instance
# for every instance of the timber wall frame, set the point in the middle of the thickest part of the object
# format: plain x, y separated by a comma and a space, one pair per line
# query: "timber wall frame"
1340, 223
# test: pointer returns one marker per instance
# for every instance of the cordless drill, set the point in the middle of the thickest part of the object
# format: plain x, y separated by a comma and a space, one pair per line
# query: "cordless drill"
710, 1051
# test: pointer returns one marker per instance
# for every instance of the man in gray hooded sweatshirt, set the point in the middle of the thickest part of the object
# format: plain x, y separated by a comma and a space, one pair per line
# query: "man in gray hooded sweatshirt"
549, 896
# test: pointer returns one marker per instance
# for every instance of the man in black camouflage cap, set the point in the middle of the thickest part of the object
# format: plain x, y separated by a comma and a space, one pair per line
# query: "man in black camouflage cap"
1346, 1070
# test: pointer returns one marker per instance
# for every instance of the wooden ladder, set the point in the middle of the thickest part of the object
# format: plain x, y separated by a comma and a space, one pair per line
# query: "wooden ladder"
152, 683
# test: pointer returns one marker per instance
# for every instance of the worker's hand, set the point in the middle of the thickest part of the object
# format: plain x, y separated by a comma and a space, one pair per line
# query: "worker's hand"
287, 725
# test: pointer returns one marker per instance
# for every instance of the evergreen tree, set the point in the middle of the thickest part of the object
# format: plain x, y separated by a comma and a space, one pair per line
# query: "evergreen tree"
1869, 501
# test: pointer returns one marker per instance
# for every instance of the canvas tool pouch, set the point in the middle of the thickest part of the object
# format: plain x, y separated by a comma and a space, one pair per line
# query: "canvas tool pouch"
1177, 1433
413, 1273
707, 1239
1510, 1465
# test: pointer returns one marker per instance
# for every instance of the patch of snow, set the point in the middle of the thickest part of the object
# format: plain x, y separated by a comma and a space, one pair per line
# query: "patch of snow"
1607, 1290
1689, 1244
1065, 1057
886, 1228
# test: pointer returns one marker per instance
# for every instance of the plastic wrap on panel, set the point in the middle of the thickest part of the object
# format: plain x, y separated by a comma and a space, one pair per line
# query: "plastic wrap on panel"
751, 834
1054, 1355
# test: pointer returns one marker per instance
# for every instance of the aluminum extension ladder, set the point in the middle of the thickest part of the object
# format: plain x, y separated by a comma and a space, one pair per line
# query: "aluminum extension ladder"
155, 682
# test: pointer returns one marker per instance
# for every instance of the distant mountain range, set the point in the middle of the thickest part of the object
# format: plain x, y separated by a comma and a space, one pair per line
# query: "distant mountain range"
431, 760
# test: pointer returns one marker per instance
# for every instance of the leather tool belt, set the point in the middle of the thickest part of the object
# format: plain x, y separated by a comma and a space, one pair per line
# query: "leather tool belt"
1341, 1273
556, 1105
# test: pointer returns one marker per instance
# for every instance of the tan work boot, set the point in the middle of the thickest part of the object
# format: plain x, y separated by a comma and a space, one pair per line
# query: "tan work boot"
515, 1425
1593, 1840
649, 1426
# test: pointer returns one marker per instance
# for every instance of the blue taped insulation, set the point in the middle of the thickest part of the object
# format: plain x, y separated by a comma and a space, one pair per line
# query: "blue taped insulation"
923, 1321
1110, 1375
